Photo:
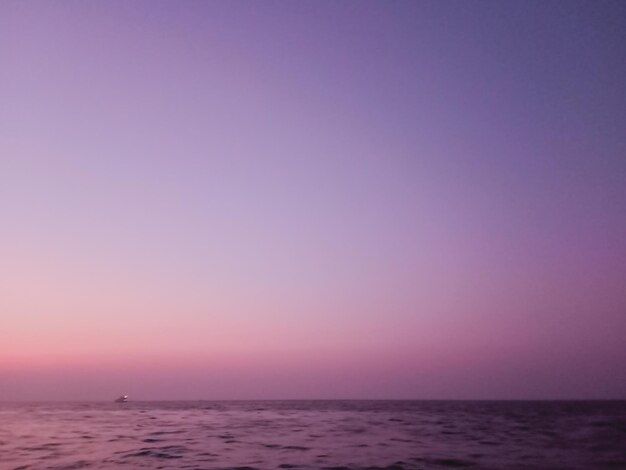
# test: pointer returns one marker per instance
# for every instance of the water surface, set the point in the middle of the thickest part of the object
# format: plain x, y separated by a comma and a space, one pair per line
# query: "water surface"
314, 435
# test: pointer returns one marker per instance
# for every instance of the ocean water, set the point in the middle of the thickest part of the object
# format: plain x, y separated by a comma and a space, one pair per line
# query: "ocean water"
330, 435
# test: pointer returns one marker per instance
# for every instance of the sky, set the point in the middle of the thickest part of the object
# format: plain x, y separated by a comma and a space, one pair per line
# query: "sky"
346, 199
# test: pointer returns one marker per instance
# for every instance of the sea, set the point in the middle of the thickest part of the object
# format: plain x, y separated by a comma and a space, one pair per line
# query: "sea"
329, 435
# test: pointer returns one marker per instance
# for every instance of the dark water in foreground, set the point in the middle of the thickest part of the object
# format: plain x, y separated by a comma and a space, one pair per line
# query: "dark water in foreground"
314, 435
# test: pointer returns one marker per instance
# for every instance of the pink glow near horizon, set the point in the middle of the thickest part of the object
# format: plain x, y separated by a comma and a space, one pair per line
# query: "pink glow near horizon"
302, 200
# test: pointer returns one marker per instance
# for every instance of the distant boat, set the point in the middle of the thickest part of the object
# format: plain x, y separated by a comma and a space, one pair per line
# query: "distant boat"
122, 399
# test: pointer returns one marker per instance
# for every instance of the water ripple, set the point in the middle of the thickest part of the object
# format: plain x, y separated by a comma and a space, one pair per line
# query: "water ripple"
329, 435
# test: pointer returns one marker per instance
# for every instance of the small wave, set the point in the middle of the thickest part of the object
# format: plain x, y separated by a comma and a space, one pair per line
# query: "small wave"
73, 466
162, 433
153, 453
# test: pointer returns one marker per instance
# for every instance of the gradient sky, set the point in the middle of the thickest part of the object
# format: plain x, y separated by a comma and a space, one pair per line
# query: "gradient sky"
312, 199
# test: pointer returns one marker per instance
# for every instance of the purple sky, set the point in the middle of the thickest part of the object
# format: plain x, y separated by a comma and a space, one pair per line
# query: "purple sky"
312, 199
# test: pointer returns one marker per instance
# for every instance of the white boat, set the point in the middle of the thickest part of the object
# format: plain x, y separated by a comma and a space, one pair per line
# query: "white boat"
122, 399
